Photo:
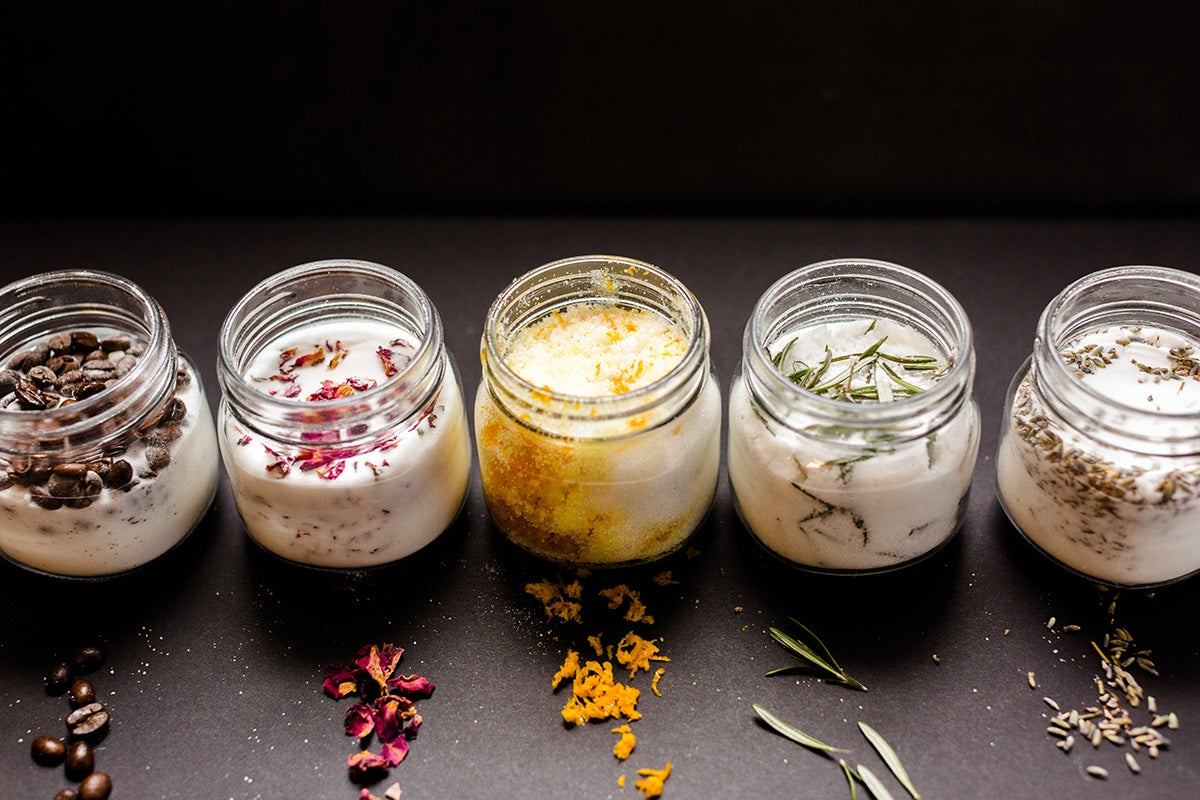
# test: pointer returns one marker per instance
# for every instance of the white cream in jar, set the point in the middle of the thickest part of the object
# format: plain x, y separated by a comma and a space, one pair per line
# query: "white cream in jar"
344, 436
1114, 514
852, 435
597, 420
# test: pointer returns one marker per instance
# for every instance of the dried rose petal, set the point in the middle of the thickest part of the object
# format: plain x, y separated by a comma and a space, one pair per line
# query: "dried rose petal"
365, 794
292, 391
340, 680
359, 721
390, 754
391, 717
411, 686
379, 662
309, 359
385, 357
331, 471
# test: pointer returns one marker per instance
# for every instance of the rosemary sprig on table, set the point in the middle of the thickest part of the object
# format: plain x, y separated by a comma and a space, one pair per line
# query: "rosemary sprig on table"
870, 374
823, 661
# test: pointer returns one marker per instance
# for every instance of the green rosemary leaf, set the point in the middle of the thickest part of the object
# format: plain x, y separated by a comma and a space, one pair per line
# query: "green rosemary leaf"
876, 787
828, 655
871, 327
903, 384
908, 360
825, 663
889, 757
802, 650
870, 351
795, 734
851, 778
778, 360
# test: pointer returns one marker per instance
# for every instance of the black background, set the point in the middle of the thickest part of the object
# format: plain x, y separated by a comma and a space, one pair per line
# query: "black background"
552, 107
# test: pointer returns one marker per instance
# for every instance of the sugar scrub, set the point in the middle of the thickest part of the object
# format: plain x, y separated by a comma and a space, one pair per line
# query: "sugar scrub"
109, 457
1116, 515
852, 432
598, 420
857, 499
364, 503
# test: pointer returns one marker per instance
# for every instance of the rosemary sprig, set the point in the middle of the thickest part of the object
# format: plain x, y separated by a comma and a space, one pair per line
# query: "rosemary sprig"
876, 787
851, 778
875, 385
823, 661
791, 732
889, 757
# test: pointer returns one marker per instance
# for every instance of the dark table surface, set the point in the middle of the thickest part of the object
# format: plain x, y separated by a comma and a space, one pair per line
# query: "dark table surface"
215, 654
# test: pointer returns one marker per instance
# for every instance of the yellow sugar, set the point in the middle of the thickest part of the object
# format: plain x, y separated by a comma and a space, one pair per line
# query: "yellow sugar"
596, 349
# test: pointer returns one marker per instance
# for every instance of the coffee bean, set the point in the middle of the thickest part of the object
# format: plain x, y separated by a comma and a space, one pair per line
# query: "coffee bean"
163, 434
94, 367
63, 487
67, 794
43, 377
64, 364
73, 470
157, 457
84, 341
41, 497
125, 365
111, 343
59, 342
176, 411
182, 376
100, 467
48, 751
8, 380
82, 694
87, 720
80, 760
86, 658
58, 679
90, 387
119, 474
137, 349
96, 786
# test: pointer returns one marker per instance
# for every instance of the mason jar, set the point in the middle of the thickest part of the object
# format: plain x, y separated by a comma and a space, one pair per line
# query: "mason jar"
108, 457
852, 427
342, 424
1099, 458
598, 415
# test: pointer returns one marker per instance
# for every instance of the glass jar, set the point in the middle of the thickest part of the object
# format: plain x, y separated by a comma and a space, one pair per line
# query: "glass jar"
1099, 458
108, 457
342, 423
613, 458
840, 468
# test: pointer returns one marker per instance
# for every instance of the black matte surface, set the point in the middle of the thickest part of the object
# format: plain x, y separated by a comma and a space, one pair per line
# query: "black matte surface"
215, 655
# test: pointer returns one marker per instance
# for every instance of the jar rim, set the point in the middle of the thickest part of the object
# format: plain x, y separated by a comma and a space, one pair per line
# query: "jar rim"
952, 389
231, 365
548, 274
82, 416
1053, 331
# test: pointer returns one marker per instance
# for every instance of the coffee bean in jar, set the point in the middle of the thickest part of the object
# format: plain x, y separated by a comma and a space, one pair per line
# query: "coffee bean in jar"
107, 449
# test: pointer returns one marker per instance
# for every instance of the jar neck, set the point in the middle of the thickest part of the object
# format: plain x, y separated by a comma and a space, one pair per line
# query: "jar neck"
33, 309
325, 291
858, 289
602, 279
1119, 296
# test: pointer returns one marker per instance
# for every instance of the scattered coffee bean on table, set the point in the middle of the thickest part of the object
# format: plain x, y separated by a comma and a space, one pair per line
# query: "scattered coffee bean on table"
49, 751
58, 679
80, 760
82, 693
67, 794
97, 786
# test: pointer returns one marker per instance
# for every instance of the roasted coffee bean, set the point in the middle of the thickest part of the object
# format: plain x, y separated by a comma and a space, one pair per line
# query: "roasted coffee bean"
86, 658
84, 341
41, 497
100, 466
63, 487
119, 474
125, 366
8, 380
97, 786
31, 396
43, 377
92, 722
26, 360
137, 349
58, 679
80, 760
117, 342
176, 411
182, 376
59, 342
157, 457
89, 388
163, 434
94, 367
49, 751
68, 793
73, 470
82, 693
64, 364
93, 484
